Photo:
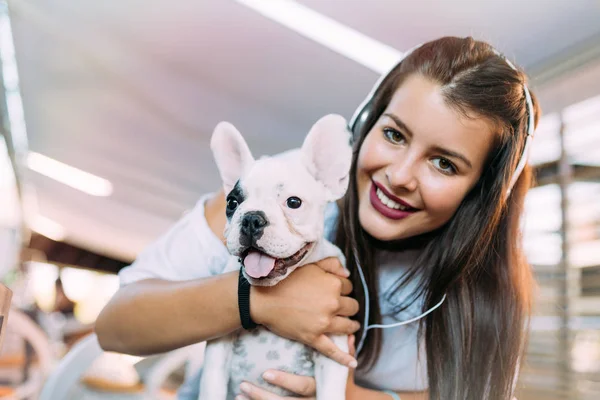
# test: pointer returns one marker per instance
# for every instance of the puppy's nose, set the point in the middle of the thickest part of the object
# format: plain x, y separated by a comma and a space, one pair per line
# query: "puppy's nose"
253, 223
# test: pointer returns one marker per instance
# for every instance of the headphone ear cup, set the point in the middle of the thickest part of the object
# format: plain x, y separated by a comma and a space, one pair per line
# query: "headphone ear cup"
358, 124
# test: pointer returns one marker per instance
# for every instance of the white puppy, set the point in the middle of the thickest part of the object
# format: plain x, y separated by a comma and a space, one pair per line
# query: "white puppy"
275, 216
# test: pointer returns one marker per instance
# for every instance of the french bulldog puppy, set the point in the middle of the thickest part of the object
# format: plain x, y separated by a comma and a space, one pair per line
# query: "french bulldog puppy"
275, 222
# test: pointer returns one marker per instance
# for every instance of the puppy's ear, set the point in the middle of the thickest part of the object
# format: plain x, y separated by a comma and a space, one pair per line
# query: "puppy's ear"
327, 153
231, 153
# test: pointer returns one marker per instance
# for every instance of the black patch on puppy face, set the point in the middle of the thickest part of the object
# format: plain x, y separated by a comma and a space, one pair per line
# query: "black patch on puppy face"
234, 199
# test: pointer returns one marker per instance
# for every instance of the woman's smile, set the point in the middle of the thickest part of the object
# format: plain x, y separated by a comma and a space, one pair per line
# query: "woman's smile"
388, 205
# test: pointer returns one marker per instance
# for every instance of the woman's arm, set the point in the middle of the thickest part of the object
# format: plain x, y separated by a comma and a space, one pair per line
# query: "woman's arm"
154, 315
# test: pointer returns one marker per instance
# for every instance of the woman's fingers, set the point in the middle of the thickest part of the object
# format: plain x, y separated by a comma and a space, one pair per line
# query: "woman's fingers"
301, 385
333, 266
325, 346
255, 393
343, 326
348, 306
346, 286
352, 345
251, 392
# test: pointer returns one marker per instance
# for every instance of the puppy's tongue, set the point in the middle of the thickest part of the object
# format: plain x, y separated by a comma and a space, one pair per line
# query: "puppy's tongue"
258, 264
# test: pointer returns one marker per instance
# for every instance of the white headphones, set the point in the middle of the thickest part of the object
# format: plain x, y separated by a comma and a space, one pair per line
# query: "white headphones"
361, 115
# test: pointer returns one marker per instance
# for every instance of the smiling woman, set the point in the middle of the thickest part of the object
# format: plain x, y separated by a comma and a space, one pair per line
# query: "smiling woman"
430, 214
445, 134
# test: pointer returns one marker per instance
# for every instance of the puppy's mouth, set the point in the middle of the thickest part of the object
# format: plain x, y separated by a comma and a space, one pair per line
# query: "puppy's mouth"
259, 265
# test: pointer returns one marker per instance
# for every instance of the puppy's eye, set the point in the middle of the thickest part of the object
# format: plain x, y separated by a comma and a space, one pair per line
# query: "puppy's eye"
294, 202
232, 204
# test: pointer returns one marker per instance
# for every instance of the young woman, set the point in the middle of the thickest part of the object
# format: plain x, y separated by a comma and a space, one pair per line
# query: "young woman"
431, 211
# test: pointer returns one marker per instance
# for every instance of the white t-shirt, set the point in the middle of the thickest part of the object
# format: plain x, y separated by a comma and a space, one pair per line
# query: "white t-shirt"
190, 250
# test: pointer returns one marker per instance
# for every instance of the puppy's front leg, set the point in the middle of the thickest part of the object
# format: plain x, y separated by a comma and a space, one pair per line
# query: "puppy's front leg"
215, 371
332, 377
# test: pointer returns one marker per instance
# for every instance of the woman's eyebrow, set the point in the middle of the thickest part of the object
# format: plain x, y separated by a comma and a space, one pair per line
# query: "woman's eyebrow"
450, 153
399, 123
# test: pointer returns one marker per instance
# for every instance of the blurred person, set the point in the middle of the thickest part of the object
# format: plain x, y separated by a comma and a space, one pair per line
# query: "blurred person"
432, 215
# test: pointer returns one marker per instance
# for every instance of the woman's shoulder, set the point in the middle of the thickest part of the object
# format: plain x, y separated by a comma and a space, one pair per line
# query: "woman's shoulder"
189, 249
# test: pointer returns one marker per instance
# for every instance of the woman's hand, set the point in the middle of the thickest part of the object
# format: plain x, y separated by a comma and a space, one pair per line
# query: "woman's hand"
308, 304
304, 386
352, 389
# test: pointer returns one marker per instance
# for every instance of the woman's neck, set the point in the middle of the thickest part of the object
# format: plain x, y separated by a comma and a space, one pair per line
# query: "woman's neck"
411, 243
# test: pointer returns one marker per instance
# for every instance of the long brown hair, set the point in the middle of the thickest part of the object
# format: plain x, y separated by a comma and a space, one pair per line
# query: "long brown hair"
475, 340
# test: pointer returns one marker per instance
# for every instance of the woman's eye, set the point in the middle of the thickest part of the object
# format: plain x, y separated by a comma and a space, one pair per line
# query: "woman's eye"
294, 202
444, 165
232, 204
393, 135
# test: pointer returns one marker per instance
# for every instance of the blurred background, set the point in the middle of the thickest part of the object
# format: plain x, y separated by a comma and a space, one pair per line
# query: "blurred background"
107, 109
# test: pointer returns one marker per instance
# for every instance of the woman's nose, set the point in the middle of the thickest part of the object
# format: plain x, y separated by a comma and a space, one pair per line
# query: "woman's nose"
401, 175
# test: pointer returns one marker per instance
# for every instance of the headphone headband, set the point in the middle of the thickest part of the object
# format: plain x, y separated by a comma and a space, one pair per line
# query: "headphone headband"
364, 109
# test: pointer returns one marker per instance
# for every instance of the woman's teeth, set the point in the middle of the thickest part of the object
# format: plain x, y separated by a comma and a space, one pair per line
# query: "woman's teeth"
389, 202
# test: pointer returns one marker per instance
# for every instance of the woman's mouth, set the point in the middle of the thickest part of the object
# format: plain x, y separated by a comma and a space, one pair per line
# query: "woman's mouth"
387, 207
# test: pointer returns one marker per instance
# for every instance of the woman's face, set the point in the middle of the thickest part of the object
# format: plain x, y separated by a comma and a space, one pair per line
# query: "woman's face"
418, 162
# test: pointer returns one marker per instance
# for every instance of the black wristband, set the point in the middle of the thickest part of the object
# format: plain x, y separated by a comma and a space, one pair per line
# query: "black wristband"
244, 302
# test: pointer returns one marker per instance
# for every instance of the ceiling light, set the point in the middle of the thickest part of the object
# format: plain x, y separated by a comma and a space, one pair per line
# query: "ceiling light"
346, 41
71, 176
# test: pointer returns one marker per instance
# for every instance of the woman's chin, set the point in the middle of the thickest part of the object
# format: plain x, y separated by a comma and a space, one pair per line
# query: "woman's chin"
380, 227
